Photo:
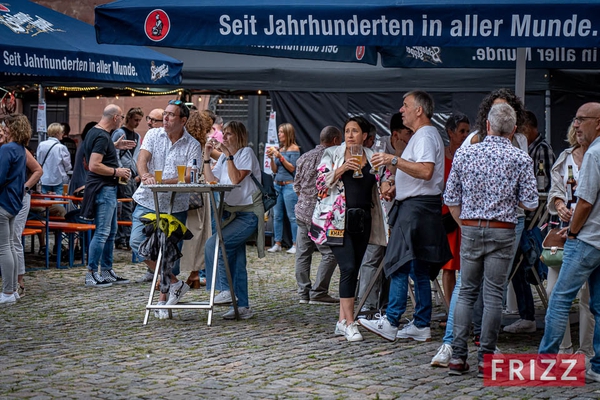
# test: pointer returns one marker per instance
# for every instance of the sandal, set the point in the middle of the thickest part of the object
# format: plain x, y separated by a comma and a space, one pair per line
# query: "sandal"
21, 291
194, 283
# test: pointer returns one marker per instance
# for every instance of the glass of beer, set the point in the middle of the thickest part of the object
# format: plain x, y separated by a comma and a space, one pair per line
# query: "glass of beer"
65, 189
181, 174
158, 175
356, 151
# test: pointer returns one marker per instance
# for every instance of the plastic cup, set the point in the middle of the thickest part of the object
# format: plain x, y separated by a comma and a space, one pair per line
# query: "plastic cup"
158, 175
181, 174
65, 189
356, 151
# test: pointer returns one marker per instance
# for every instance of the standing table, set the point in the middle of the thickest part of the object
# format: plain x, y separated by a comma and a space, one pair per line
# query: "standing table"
217, 212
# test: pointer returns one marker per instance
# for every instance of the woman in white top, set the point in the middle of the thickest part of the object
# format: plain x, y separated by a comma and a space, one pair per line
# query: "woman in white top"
55, 160
235, 166
557, 205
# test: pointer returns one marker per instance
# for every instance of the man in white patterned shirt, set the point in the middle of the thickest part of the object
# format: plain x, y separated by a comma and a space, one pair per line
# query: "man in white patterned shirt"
486, 184
163, 149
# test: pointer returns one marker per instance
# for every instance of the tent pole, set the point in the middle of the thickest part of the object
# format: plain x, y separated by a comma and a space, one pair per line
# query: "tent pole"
520, 73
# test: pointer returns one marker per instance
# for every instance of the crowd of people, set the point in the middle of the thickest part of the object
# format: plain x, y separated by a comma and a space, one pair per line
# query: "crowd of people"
408, 202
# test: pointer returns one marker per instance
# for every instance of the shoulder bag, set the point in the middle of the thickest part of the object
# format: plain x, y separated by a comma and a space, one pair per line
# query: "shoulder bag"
269, 195
552, 249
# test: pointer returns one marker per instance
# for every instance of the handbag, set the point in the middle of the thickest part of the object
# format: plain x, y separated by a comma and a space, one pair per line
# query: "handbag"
355, 220
196, 201
269, 195
553, 246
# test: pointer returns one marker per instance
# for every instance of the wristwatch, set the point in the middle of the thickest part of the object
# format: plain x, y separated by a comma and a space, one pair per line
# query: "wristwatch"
571, 234
230, 158
394, 161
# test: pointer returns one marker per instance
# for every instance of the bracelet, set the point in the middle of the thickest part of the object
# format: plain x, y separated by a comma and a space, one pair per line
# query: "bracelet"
114, 172
230, 158
207, 161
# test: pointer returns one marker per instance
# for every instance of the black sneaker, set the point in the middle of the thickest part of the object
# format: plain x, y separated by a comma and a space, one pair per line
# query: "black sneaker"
458, 367
93, 279
111, 276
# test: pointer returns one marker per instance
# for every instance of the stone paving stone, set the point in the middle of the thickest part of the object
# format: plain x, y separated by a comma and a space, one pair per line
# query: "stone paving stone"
64, 340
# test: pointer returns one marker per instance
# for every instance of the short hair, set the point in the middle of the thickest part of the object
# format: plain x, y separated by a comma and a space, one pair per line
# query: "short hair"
198, 125
364, 125
184, 111
212, 115
396, 123
423, 100
502, 119
55, 129
110, 111
329, 133
66, 128
19, 128
240, 132
87, 128
134, 111
289, 133
454, 120
530, 119
218, 120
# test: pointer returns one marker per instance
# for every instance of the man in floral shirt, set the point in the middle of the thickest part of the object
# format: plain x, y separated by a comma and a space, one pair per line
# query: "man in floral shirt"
486, 184
306, 189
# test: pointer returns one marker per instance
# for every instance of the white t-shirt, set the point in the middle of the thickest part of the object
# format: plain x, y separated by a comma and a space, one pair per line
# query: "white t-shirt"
426, 145
244, 160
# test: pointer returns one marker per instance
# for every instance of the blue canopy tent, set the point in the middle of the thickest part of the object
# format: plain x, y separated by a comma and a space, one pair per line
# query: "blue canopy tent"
39, 45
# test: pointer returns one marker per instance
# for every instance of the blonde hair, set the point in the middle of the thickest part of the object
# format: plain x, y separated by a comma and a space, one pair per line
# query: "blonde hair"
572, 137
240, 132
19, 128
289, 133
55, 129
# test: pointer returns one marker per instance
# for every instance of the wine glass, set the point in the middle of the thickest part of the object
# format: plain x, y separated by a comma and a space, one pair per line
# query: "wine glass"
356, 151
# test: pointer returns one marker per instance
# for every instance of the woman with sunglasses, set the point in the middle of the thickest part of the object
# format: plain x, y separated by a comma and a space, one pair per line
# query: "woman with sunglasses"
243, 212
13, 160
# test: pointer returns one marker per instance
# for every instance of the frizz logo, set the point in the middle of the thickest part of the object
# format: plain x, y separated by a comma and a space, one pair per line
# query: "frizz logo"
360, 52
534, 370
157, 25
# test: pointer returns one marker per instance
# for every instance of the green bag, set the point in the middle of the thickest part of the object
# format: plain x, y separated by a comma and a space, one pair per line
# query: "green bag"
553, 245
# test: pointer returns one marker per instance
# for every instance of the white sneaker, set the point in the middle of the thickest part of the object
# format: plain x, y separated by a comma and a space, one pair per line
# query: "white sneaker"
410, 331
352, 334
340, 328
176, 292
521, 326
245, 313
291, 250
17, 297
443, 356
380, 326
276, 248
223, 297
7, 299
161, 313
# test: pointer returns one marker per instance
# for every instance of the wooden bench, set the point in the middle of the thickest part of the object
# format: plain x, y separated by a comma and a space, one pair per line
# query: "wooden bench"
124, 223
30, 232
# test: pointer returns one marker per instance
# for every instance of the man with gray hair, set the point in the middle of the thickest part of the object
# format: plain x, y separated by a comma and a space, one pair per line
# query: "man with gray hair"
486, 184
305, 186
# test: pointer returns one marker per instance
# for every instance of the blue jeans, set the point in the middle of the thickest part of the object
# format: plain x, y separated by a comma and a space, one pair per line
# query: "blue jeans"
235, 235
138, 236
449, 335
419, 273
105, 219
58, 189
580, 264
485, 258
286, 202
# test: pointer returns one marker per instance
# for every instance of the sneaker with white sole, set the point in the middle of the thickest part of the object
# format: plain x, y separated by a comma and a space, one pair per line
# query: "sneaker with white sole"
161, 313
521, 326
340, 328
380, 326
591, 376
352, 334
443, 356
410, 331
147, 277
291, 250
93, 279
275, 249
176, 292
245, 313
7, 299
112, 277
223, 297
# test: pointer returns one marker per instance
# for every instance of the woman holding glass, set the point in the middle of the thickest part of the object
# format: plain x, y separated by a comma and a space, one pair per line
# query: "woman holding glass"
348, 214
16, 132
557, 205
283, 164
243, 210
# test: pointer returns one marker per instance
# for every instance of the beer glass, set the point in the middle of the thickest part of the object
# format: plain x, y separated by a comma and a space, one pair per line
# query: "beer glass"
356, 151
181, 174
158, 175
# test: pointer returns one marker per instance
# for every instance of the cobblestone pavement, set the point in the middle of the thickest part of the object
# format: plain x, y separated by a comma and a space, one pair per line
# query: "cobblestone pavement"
63, 340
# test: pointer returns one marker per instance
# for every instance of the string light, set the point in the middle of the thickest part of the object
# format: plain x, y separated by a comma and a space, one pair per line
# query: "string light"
220, 101
259, 91
241, 97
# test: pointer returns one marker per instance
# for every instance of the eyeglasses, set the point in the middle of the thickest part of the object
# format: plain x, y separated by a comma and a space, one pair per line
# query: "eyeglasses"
153, 120
119, 115
169, 114
579, 120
